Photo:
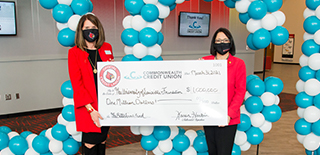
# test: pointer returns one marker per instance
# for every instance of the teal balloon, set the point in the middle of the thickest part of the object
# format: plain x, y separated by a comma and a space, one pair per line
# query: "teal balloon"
250, 42
48, 4
245, 123
133, 6
236, 150
230, 3
149, 58
200, 132
70, 146
181, 142
257, 10
279, 35
149, 143
160, 58
272, 113
4, 140
130, 37
311, 24
256, 87
66, 37
172, 152
244, 17
318, 75
160, 38
41, 144
316, 101
312, 4
5, 129
302, 127
66, 89
253, 104
251, 76
261, 38
25, 134
310, 47
254, 136
274, 85
161, 132
306, 73
172, 7
150, 12
315, 128
68, 113
80, 7
59, 132
90, 6
130, 57
303, 100
167, 2
200, 144
18, 145
181, 130
48, 153
43, 133
273, 5
148, 36
61, 13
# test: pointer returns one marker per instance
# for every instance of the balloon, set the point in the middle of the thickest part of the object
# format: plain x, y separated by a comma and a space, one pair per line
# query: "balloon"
300, 112
191, 134
24, 134
155, 50
67, 101
139, 50
256, 87
310, 47
12, 134
165, 146
80, 7
61, 13
316, 101
236, 150
245, 123
130, 57
230, 3
135, 130
6, 151
246, 146
181, 130
302, 127
268, 98
68, 113
279, 35
274, 85
161, 132
48, 134
314, 62
311, 142
66, 89
66, 38
307, 36
61, 120
40, 144
150, 1
128, 50
130, 37
138, 23
244, 17
281, 18
167, 2
247, 95
71, 128
70, 146
307, 13
126, 22
173, 152
18, 145
5, 129
172, 7
160, 38
77, 137
48, 4
250, 42
66, 2
257, 10
149, 12
73, 22
164, 11
273, 5
200, 132
157, 150
156, 25
181, 142
133, 6
257, 119
243, 110
272, 113
254, 136
253, 104
30, 139
253, 25
240, 138
146, 130
303, 60
300, 138
173, 131
303, 100
312, 87
316, 128
261, 38
311, 24
189, 151
59, 132
149, 142
312, 4
4, 140
31, 151
266, 127
55, 146
90, 6
148, 37
311, 114
160, 58
242, 6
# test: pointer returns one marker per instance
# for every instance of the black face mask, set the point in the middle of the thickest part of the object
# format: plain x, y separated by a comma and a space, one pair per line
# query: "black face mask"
222, 48
90, 35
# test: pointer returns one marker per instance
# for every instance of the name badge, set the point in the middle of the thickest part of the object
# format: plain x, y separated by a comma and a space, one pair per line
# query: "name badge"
107, 51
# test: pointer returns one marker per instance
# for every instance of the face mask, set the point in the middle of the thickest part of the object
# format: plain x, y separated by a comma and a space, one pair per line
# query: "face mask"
222, 48
90, 35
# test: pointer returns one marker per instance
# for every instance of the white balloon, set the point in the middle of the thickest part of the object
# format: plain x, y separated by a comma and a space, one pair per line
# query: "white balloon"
241, 138
307, 13
247, 95
6, 151
312, 87
266, 127
66, 2
190, 151
301, 138
135, 130
268, 98
61, 26
300, 85
67, 101
60, 153
316, 37
164, 11
48, 134
73, 22
31, 151
314, 61
157, 151
311, 114
77, 137
281, 18
191, 134
12, 134
126, 22
61, 120
303, 60
311, 142
138, 23
245, 147
242, 6
277, 100
243, 110
146, 130
253, 25
165, 145
257, 119
71, 128
30, 139
155, 50
128, 50
174, 131
269, 22
252, 0
55, 146
156, 25
139, 50
179, 1
300, 112
307, 36
150, 1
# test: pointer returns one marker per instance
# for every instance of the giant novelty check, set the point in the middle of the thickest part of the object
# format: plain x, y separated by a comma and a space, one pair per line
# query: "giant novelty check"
163, 93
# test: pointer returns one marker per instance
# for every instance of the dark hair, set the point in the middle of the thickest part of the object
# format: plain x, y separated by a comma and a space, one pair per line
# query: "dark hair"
79, 40
213, 51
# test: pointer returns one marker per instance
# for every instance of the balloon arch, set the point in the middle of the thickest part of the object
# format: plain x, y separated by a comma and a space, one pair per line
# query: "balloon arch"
142, 39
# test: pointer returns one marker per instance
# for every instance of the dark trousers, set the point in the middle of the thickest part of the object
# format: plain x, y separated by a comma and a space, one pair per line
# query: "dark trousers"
220, 139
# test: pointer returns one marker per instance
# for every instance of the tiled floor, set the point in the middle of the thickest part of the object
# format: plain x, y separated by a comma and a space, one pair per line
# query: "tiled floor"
281, 140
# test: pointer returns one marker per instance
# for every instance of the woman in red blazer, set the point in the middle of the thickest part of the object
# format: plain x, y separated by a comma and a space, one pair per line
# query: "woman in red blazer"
220, 138
82, 61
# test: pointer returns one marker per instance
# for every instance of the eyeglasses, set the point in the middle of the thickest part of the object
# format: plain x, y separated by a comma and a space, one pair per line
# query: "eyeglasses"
219, 41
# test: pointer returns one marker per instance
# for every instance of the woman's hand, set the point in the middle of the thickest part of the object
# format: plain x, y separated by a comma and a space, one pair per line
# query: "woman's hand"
224, 125
95, 115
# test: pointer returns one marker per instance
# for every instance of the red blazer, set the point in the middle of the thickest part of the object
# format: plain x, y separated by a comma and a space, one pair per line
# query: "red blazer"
84, 90
236, 86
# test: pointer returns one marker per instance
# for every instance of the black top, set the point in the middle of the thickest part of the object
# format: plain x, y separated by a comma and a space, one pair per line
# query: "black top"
92, 57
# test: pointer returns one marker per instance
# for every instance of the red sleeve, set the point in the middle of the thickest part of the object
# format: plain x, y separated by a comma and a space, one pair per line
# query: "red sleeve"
80, 95
240, 90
